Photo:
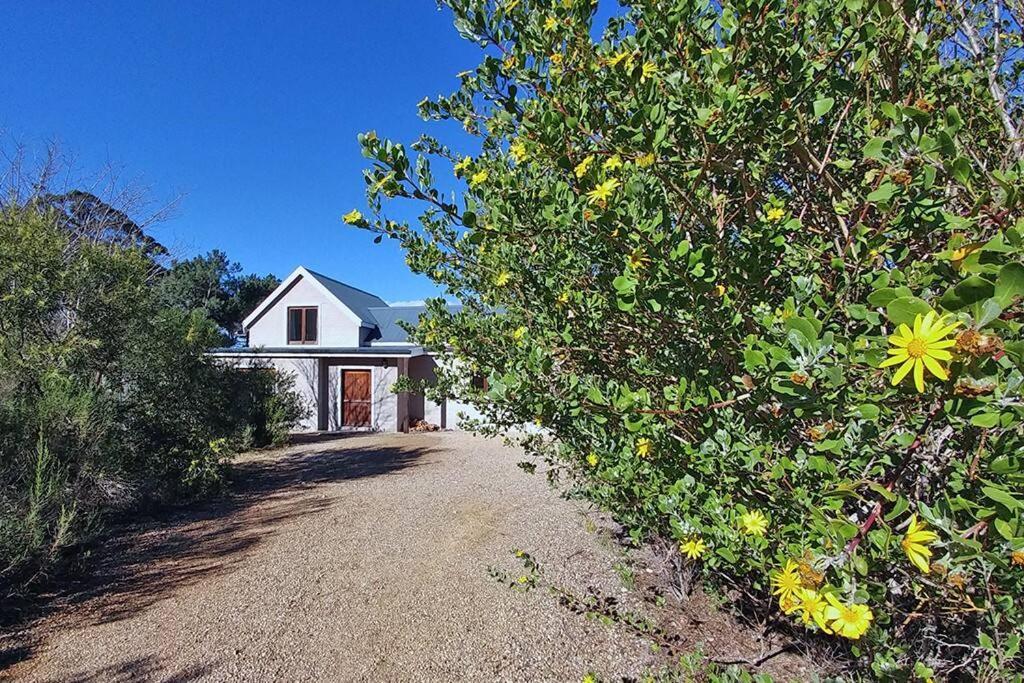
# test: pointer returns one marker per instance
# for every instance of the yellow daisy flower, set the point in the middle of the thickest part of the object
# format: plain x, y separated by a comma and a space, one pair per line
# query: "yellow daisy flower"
812, 608
616, 58
478, 178
754, 523
850, 621
584, 166
383, 181
647, 71
592, 459
518, 151
550, 23
518, 333
637, 259
643, 447
352, 217
786, 582
602, 192
556, 58
693, 548
613, 162
645, 160
920, 348
775, 214
503, 278
915, 544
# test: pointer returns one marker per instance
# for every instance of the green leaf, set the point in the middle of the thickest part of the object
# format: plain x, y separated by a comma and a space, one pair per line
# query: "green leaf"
754, 359
1012, 646
727, 554
1002, 497
891, 110
624, 284
882, 491
883, 194
823, 106
1010, 283
962, 170
966, 292
626, 303
1004, 529
903, 310
953, 120
803, 326
990, 310
874, 149
985, 420
868, 411
881, 297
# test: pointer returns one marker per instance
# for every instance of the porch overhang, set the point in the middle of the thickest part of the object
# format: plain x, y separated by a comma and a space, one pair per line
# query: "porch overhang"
319, 352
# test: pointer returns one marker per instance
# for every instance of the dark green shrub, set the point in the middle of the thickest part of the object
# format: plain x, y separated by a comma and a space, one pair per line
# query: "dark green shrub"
106, 395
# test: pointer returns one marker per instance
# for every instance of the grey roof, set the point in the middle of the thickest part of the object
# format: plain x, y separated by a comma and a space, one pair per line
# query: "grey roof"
357, 300
388, 317
301, 350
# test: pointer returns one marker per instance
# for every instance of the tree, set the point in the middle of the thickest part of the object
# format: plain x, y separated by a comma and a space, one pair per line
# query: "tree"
86, 216
98, 209
756, 269
215, 285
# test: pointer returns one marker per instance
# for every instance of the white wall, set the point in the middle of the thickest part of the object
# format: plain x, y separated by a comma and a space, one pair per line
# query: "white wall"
334, 326
385, 403
457, 412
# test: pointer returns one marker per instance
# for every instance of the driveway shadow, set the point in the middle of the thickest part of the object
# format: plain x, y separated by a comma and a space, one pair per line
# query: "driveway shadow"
139, 563
147, 669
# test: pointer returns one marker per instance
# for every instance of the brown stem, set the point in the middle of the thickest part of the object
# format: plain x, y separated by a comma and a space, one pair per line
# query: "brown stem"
877, 509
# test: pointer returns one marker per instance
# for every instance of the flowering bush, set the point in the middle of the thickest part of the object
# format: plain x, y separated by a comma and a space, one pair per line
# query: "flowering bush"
756, 269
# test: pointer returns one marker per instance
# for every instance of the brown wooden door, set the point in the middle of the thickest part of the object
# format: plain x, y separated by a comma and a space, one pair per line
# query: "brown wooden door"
355, 398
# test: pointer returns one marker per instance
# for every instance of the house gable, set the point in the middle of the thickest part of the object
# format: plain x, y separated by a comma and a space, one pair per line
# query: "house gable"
343, 319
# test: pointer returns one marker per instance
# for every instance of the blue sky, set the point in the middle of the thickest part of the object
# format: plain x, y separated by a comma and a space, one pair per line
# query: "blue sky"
248, 109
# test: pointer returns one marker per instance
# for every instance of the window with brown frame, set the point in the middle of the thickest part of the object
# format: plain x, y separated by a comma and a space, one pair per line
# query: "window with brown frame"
302, 325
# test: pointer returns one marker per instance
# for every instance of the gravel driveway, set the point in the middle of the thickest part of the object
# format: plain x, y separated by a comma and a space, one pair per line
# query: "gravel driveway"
357, 558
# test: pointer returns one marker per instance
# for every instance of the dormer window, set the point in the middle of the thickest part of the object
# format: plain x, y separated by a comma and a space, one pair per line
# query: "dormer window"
302, 324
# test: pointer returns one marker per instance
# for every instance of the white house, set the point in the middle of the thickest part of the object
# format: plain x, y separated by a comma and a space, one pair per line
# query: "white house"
345, 349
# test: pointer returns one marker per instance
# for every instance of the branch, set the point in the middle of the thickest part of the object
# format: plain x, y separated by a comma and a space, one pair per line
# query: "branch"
877, 509
978, 50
